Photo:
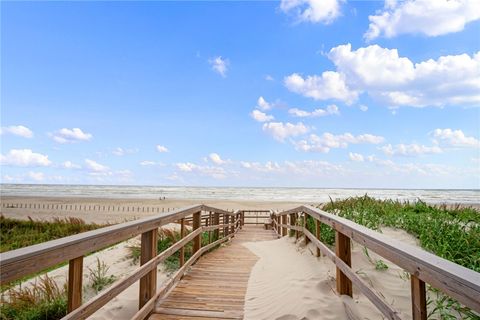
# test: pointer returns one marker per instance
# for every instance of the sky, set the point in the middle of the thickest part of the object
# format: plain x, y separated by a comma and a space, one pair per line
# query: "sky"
295, 93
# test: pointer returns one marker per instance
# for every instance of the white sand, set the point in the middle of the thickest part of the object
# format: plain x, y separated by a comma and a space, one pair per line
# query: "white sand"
288, 282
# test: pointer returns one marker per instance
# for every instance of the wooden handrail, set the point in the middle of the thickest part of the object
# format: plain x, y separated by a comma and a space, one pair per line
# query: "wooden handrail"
456, 281
18, 263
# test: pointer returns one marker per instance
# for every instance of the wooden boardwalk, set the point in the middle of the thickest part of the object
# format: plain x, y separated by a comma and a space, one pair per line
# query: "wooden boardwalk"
215, 286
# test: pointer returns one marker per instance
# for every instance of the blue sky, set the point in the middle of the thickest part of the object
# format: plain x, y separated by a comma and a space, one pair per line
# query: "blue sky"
292, 93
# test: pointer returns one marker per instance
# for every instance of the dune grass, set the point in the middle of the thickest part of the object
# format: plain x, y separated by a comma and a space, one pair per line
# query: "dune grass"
15, 233
452, 233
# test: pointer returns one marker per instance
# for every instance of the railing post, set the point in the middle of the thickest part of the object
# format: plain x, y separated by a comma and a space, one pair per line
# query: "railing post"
197, 241
148, 250
343, 252
279, 228
182, 235
226, 229
284, 222
216, 221
75, 276
234, 223
295, 218
317, 234
419, 298
243, 219
305, 216
210, 219
292, 223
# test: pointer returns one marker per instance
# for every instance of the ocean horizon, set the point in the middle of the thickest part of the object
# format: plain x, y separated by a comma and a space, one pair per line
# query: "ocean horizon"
295, 194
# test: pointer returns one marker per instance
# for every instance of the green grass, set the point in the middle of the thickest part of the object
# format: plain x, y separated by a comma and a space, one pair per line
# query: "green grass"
451, 233
15, 233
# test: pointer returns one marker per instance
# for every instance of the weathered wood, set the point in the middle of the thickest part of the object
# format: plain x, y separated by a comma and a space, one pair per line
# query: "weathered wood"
75, 276
21, 262
305, 215
293, 222
216, 221
458, 282
343, 252
182, 235
419, 298
197, 241
148, 250
226, 230
317, 234
377, 300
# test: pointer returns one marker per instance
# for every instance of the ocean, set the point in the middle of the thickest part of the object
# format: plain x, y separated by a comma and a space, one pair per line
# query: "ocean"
237, 193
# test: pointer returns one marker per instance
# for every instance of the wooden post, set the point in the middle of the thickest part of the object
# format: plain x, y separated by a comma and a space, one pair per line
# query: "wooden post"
148, 283
317, 234
234, 223
293, 220
216, 221
226, 229
182, 235
305, 216
243, 219
297, 233
279, 228
284, 221
419, 299
197, 241
75, 276
210, 219
343, 251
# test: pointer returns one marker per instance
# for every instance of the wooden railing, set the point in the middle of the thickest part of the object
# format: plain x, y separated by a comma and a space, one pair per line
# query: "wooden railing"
454, 280
22, 262
255, 217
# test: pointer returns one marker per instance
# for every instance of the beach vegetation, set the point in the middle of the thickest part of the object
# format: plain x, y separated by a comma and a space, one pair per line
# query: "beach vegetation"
98, 276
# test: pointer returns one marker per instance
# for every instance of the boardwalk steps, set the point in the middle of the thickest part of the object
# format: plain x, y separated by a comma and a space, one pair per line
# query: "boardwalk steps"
215, 286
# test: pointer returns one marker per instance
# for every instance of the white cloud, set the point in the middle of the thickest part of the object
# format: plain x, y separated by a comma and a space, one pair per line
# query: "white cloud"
147, 163
330, 85
70, 165
280, 131
95, 166
186, 166
121, 151
363, 107
331, 109
269, 78
431, 18
261, 116
21, 131
315, 11
409, 149
328, 141
262, 104
36, 176
455, 138
219, 65
65, 135
394, 80
356, 157
161, 148
215, 158
24, 158
210, 171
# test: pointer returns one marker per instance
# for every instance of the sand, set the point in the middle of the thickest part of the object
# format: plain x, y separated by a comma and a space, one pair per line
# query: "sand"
288, 282
116, 210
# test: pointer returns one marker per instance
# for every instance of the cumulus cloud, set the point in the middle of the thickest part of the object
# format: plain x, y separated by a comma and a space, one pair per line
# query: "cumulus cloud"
95, 166
161, 149
269, 78
329, 85
306, 168
215, 158
122, 151
65, 135
455, 138
394, 80
328, 141
261, 116
431, 18
147, 163
219, 65
363, 108
329, 110
280, 131
19, 130
24, 158
70, 165
409, 149
356, 157
262, 104
210, 171
314, 11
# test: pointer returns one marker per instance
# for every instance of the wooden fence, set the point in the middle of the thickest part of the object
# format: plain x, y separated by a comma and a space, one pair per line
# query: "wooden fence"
25, 261
456, 281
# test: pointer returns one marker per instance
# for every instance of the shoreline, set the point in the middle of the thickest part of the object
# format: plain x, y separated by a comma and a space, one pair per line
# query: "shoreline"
105, 210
